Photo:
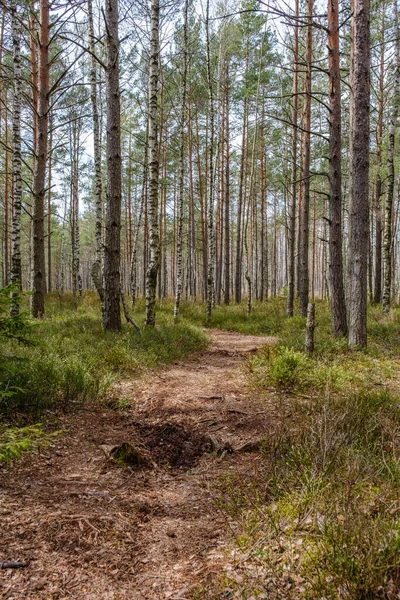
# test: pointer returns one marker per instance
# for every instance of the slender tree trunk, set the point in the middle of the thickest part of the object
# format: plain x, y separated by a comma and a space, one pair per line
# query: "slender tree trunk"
227, 193
192, 207
16, 273
3, 13
76, 285
181, 162
305, 209
240, 210
133, 275
210, 175
39, 178
97, 266
112, 254
274, 265
338, 302
378, 184
152, 270
6, 202
49, 266
292, 213
388, 234
359, 167
203, 216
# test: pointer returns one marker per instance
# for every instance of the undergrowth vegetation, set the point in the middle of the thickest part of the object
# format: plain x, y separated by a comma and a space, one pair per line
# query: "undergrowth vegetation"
319, 516
67, 359
14, 441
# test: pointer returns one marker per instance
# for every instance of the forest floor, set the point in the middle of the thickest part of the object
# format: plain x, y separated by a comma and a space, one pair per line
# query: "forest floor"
89, 528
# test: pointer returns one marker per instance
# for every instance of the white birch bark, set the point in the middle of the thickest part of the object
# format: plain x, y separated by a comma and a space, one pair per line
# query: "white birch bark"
154, 235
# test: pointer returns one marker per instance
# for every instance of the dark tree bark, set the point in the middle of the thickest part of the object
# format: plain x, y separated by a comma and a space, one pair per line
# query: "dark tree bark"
304, 282
359, 168
227, 194
97, 266
112, 251
39, 178
388, 233
16, 275
378, 184
210, 176
338, 302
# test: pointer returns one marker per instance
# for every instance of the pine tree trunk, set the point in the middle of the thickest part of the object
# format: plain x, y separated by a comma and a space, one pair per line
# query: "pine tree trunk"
192, 207
292, 213
338, 302
264, 223
152, 270
240, 211
49, 265
305, 208
378, 184
97, 266
112, 253
16, 274
133, 274
359, 167
39, 178
3, 13
181, 162
388, 234
226, 175
210, 176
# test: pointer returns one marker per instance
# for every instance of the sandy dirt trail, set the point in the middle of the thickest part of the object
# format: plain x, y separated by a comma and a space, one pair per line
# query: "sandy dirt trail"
91, 529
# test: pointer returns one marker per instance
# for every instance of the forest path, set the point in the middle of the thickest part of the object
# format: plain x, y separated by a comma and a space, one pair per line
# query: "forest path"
91, 529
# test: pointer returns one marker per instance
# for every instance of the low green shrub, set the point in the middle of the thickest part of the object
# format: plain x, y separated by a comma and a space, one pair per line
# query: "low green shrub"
321, 513
286, 366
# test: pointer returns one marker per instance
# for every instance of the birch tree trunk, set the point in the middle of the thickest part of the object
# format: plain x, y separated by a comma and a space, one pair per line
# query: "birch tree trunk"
181, 162
75, 212
39, 177
97, 266
388, 234
338, 302
359, 167
112, 254
154, 236
16, 275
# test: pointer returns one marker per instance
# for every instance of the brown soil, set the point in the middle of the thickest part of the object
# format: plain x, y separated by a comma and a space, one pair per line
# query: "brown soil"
91, 529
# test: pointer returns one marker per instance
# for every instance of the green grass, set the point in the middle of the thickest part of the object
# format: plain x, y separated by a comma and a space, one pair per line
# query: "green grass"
70, 359
323, 510
320, 516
